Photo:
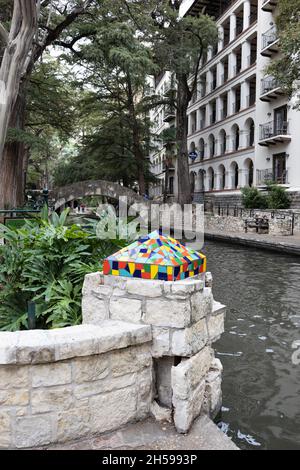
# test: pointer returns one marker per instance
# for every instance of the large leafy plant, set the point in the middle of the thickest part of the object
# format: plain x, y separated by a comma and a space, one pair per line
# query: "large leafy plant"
45, 261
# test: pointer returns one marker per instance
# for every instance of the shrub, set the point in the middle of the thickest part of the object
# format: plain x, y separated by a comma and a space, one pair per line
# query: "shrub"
45, 261
253, 199
278, 197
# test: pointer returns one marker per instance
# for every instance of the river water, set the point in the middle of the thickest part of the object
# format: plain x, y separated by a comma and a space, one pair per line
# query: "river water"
261, 385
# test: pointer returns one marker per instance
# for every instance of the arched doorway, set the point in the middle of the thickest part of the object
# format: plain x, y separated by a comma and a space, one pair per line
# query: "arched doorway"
222, 177
234, 171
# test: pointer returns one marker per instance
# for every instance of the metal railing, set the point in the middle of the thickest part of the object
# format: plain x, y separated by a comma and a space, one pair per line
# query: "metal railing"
271, 175
268, 84
251, 60
273, 129
213, 118
269, 37
223, 113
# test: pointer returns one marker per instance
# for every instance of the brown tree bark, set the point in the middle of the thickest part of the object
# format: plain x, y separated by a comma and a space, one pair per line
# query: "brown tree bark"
13, 171
183, 99
20, 56
18, 45
136, 138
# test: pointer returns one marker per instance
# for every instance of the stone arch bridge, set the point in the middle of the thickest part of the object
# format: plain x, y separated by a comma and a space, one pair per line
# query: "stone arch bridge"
76, 191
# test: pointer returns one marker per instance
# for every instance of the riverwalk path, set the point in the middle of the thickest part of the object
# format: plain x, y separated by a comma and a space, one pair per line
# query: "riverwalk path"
283, 244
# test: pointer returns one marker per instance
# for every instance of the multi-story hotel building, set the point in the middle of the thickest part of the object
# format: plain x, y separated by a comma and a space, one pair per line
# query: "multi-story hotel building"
243, 131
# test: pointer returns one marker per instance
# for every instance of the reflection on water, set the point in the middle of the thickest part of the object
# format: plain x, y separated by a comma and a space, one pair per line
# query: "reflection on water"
261, 386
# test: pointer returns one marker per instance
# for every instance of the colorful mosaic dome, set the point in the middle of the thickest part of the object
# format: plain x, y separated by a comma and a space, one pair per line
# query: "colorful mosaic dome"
155, 256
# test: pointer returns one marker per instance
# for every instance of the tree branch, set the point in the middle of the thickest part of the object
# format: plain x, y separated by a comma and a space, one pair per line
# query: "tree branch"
3, 34
54, 34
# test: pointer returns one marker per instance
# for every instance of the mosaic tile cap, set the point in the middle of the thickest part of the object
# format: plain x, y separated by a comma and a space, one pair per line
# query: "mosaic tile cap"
155, 256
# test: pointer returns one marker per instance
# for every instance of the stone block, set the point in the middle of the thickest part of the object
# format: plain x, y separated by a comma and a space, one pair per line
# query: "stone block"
168, 313
86, 340
190, 373
185, 411
34, 347
124, 309
111, 410
215, 327
14, 397
89, 389
161, 341
130, 360
89, 369
213, 389
202, 304
51, 399
14, 376
145, 391
102, 292
218, 308
48, 375
73, 424
5, 430
190, 340
145, 288
208, 279
8, 342
92, 281
94, 310
33, 431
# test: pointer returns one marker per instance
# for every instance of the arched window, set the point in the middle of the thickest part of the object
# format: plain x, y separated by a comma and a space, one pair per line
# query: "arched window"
223, 142
201, 149
212, 145
235, 138
234, 170
250, 130
222, 176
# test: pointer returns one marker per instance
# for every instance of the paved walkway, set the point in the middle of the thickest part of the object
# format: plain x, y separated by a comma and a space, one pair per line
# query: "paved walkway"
287, 245
151, 435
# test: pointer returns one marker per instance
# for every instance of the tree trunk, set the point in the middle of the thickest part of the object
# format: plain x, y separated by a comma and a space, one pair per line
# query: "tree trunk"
14, 161
13, 66
137, 150
184, 187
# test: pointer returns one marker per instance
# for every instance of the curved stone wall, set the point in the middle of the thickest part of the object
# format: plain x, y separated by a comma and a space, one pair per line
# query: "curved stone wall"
64, 384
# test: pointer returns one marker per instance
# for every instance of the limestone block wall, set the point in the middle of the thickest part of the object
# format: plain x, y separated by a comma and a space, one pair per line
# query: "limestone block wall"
279, 224
64, 384
185, 322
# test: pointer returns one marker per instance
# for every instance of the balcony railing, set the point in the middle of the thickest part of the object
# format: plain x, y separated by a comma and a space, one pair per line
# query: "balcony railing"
269, 37
273, 129
250, 100
222, 148
236, 107
268, 84
249, 140
213, 118
271, 175
252, 18
223, 113
251, 60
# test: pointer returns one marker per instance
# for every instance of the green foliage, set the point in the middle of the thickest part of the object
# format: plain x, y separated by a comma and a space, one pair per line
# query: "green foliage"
278, 197
253, 199
286, 69
45, 261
